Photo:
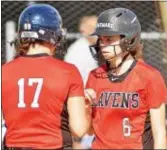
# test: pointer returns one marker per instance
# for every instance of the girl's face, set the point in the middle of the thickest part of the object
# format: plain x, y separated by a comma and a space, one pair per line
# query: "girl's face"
110, 46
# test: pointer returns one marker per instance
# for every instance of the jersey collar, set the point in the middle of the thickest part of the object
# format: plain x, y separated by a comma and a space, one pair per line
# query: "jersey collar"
35, 55
120, 78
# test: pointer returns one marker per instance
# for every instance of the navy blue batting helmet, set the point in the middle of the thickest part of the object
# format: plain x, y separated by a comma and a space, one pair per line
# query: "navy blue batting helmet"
42, 22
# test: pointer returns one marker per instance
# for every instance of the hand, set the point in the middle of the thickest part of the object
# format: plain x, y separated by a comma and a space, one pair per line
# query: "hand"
90, 96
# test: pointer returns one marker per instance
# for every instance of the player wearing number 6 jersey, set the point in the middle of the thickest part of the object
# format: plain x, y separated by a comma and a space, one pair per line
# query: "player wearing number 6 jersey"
42, 97
127, 95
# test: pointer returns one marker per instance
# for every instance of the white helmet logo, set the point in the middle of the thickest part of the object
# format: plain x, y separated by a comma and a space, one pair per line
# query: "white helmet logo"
27, 26
105, 25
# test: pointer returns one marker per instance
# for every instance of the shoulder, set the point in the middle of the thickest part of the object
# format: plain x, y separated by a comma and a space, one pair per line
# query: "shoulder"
99, 71
147, 71
101, 68
95, 75
10, 64
68, 71
64, 66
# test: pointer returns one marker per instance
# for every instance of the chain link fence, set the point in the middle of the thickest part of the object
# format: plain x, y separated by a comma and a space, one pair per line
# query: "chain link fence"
148, 13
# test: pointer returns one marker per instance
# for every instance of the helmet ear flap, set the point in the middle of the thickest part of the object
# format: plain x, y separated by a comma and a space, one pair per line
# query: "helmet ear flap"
63, 34
61, 42
60, 37
94, 49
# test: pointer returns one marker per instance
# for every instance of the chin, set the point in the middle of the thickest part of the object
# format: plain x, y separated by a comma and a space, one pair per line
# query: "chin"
106, 57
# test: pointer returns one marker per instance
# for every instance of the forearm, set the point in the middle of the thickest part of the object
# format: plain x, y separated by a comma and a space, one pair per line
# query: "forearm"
90, 95
89, 116
159, 127
160, 140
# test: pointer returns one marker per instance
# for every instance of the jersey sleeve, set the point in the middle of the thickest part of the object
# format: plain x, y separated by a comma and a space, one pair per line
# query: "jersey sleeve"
91, 81
156, 91
76, 87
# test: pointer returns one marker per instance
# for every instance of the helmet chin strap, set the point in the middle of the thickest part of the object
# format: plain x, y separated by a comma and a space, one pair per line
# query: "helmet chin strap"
110, 68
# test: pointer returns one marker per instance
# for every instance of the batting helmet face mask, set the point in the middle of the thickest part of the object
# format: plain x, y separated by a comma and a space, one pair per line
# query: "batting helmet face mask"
42, 22
118, 21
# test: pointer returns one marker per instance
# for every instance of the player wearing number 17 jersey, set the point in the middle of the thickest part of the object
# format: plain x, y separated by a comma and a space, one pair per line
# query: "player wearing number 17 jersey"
42, 97
127, 95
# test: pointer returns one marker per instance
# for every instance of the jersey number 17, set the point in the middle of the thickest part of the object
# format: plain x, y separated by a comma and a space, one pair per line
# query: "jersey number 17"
31, 81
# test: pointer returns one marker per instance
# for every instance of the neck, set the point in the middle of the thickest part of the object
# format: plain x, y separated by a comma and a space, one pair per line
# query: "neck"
124, 67
38, 49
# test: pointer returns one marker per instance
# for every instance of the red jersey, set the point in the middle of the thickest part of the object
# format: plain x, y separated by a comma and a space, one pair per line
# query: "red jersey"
120, 112
34, 99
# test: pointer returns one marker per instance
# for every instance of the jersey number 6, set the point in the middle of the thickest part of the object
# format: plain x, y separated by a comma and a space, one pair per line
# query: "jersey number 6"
126, 127
31, 81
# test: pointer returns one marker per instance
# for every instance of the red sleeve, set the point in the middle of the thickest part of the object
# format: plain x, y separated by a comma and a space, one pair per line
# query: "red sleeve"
76, 84
91, 83
156, 91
